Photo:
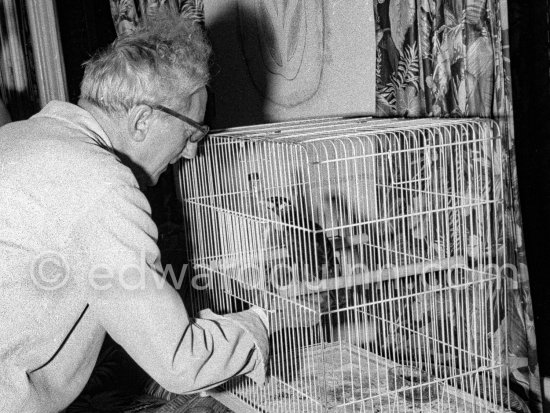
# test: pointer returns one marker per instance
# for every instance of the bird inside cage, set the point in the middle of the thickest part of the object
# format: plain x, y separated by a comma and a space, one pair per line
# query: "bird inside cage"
312, 256
307, 245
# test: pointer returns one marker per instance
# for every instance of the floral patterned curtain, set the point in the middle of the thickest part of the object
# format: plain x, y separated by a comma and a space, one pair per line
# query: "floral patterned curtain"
440, 58
127, 13
451, 58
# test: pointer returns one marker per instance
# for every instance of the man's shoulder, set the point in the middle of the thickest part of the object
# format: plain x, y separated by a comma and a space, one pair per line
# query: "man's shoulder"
59, 164
96, 164
69, 150
79, 161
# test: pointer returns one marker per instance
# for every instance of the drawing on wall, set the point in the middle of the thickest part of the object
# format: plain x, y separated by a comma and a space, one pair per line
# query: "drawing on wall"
294, 59
283, 46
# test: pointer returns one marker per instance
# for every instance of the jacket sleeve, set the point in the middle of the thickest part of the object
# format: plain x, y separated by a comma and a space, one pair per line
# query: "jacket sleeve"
118, 264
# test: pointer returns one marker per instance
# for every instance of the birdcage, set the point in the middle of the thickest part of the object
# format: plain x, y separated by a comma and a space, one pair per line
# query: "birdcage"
377, 248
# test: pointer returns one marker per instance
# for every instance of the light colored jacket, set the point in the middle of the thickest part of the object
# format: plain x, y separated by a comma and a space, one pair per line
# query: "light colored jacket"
78, 258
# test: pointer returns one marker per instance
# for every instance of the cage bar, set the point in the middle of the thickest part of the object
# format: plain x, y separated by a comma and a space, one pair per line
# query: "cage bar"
381, 240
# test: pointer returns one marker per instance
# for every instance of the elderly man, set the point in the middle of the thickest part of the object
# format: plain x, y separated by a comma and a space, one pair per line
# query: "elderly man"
78, 254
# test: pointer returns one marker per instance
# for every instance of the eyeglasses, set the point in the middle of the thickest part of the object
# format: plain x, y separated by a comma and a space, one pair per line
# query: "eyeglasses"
202, 130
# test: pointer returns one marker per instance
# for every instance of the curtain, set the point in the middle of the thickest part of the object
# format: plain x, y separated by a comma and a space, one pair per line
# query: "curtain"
127, 13
446, 58
451, 58
18, 82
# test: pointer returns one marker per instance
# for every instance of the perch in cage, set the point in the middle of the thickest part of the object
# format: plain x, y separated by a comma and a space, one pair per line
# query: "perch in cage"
388, 234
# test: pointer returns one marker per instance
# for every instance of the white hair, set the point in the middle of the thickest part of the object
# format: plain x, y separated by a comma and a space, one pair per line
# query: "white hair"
163, 61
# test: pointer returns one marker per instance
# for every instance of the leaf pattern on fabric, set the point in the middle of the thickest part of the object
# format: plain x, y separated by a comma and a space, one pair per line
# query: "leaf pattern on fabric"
425, 27
402, 16
401, 94
407, 101
479, 67
464, 70
152, 7
475, 12
193, 9
125, 17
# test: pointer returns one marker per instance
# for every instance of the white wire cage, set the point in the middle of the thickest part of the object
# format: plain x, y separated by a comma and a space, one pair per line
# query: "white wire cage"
381, 241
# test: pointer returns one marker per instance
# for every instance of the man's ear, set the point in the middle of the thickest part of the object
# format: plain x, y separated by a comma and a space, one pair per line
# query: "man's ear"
139, 121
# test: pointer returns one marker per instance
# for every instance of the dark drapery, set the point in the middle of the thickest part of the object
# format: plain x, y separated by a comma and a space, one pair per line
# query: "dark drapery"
451, 58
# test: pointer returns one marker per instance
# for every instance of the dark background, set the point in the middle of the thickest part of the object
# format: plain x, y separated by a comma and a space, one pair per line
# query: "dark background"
86, 26
529, 49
